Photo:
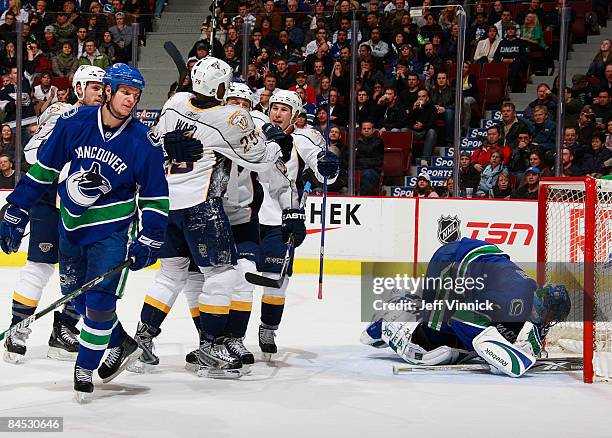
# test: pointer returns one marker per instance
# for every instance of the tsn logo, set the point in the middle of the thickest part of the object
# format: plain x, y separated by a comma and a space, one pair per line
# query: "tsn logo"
502, 232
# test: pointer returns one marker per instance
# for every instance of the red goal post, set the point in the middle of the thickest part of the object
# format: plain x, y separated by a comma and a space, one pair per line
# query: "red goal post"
574, 248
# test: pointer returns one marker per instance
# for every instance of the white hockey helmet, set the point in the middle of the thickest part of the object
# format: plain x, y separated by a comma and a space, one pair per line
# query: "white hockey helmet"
208, 73
85, 74
239, 90
289, 98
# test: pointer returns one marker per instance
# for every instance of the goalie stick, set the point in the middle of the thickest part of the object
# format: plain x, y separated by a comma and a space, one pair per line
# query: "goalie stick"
549, 365
181, 66
260, 280
30, 319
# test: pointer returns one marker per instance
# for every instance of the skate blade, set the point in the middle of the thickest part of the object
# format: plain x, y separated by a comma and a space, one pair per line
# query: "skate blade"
61, 354
212, 373
13, 358
266, 357
129, 361
192, 367
83, 397
140, 367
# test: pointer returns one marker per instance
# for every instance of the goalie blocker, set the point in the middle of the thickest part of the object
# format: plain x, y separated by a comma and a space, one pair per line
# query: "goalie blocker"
509, 338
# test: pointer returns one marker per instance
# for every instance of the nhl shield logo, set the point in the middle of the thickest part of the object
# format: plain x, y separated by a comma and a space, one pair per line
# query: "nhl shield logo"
448, 229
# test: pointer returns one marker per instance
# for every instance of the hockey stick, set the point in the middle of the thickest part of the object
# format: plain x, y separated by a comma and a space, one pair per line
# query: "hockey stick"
260, 280
181, 66
541, 366
30, 319
213, 30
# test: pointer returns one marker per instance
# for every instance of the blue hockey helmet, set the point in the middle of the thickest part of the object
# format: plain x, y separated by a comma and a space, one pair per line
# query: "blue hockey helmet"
123, 74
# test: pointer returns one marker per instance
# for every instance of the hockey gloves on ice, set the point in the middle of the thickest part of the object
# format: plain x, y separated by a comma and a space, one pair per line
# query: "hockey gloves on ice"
294, 224
277, 135
12, 228
328, 164
144, 252
181, 147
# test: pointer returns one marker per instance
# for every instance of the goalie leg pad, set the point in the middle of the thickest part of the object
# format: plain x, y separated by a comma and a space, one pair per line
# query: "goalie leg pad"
501, 354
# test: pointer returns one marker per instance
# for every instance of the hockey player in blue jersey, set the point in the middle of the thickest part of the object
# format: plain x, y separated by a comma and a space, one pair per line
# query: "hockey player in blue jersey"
503, 316
111, 158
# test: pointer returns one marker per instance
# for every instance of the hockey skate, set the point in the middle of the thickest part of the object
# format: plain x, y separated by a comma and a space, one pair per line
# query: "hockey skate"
14, 346
83, 385
266, 342
64, 340
236, 347
119, 358
191, 362
148, 359
216, 362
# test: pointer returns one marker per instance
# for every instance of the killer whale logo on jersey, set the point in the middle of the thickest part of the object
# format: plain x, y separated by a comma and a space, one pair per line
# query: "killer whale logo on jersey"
86, 186
239, 120
449, 229
155, 139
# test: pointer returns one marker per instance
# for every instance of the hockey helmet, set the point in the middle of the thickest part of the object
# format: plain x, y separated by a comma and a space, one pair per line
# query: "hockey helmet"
239, 90
123, 74
289, 98
85, 74
208, 74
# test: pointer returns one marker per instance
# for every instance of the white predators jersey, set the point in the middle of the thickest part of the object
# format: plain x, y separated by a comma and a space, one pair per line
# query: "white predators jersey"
241, 186
46, 123
307, 143
227, 133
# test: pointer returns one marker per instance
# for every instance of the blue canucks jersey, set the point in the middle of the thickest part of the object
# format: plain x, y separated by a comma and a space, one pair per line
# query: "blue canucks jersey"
105, 172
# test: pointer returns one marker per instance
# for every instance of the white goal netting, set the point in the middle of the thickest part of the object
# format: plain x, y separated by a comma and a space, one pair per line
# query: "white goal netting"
575, 249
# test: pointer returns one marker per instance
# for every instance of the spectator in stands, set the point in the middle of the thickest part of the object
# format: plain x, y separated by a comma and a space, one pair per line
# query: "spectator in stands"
338, 113
321, 55
595, 156
447, 190
430, 58
607, 83
597, 67
269, 84
409, 95
49, 44
394, 116
122, 37
582, 89
430, 28
530, 189
186, 85
340, 78
9, 58
469, 176
314, 80
63, 95
569, 168
70, 9
543, 130
264, 101
369, 77
586, 125
81, 36
321, 36
8, 94
7, 173
546, 98
248, 18
503, 187
91, 56
519, 160
489, 175
366, 109
572, 108
602, 109
423, 188
421, 122
308, 108
380, 49
481, 156
340, 43
65, 32
296, 34
276, 20
7, 29
443, 97
229, 56
284, 77
65, 63
536, 159
7, 141
470, 97
107, 47
36, 62
538, 57
95, 9
512, 51
321, 121
43, 92
478, 31
570, 140
369, 153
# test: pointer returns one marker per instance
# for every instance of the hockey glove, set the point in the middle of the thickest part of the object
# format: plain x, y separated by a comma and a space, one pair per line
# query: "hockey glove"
294, 225
328, 164
12, 228
181, 147
144, 252
277, 135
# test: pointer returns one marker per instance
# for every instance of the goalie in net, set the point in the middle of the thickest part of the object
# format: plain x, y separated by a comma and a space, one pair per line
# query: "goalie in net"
475, 302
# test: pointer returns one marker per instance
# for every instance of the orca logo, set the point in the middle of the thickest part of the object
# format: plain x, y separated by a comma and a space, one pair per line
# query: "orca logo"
86, 186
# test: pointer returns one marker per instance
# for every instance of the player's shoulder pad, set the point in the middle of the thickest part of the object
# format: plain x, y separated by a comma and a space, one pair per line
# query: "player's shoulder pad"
237, 118
309, 135
53, 111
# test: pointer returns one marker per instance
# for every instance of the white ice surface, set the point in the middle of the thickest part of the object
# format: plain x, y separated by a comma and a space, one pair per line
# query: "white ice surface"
323, 383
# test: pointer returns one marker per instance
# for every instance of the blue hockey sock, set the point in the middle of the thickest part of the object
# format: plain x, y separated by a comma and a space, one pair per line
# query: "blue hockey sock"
94, 339
116, 336
212, 325
237, 323
271, 314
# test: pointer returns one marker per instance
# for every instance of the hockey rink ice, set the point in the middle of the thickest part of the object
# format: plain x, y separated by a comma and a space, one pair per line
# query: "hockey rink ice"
323, 383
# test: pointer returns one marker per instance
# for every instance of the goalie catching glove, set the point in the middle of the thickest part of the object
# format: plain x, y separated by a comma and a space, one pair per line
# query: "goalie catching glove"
144, 252
181, 147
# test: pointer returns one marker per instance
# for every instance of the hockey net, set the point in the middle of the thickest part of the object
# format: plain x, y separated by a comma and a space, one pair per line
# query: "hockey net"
575, 249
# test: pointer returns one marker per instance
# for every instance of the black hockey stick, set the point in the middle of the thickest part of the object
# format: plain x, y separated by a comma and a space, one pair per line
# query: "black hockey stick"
30, 319
558, 364
276, 283
181, 66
